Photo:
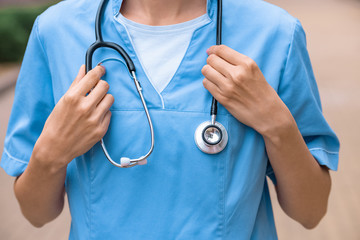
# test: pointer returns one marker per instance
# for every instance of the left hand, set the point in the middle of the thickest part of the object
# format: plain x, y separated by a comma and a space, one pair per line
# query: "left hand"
238, 84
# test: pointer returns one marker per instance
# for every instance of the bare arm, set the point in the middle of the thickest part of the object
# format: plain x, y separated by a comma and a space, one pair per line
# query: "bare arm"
40, 191
303, 186
78, 121
237, 83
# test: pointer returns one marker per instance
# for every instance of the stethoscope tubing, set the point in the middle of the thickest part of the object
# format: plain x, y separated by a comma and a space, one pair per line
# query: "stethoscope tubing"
214, 103
99, 42
131, 67
134, 162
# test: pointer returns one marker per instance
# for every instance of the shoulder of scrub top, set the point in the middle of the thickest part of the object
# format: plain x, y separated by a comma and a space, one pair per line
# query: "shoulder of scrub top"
69, 14
258, 16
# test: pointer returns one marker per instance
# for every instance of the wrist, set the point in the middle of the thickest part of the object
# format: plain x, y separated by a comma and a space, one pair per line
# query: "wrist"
281, 124
44, 157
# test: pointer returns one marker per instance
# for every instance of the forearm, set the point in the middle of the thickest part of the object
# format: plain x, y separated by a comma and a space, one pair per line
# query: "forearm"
40, 189
78, 121
303, 186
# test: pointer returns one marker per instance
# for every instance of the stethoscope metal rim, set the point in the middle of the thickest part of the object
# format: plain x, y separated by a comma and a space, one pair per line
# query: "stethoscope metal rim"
204, 134
207, 148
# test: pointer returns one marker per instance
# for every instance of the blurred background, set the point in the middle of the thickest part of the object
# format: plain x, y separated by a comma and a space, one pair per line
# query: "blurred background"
333, 34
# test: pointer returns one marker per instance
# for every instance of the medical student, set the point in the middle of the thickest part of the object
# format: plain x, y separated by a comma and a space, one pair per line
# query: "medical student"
269, 103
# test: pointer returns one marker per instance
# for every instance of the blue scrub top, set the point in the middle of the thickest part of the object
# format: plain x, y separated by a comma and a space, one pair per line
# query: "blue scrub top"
182, 193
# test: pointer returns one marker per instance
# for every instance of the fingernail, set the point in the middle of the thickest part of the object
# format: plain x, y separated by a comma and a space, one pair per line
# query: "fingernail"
100, 65
207, 51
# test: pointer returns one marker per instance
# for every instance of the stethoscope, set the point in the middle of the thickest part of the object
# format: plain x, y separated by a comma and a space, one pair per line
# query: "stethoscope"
210, 136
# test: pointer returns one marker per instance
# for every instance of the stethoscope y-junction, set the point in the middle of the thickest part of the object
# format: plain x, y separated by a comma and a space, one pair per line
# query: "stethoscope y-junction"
211, 137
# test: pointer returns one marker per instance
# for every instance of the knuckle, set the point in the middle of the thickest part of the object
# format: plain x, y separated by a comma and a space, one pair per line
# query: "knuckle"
216, 49
91, 73
93, 122
228, 89
84, 108
70, 98
237, 74
210, 60
111, 98
205, 83
110, 113
99, 132
250, 63
102, 129
105, 85
221, 48
96, 72
205, 69
222, 98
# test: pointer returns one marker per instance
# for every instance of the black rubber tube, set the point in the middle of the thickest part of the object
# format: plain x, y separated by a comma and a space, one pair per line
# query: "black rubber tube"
214, 103
100, 43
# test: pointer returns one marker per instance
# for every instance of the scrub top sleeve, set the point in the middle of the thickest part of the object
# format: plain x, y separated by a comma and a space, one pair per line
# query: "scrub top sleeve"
298, 90
32, 105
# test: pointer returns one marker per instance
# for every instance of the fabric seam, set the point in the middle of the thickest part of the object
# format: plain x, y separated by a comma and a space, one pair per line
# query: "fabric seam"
45, 54
142, 65
165, 29
321, 149
91, 192
288, 51
39, 39
164, 110
222, 195
14, 158
191, 44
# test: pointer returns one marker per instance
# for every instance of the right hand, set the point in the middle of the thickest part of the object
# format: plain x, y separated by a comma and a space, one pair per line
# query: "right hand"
78, 121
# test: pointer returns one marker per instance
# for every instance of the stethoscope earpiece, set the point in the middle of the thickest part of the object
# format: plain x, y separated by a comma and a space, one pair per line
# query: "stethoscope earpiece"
125, 161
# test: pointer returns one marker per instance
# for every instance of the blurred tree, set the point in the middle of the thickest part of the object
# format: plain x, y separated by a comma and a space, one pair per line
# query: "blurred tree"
15, 28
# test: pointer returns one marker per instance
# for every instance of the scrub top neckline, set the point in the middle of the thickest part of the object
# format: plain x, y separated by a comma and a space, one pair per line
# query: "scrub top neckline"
165, 29
204, 19
161, 48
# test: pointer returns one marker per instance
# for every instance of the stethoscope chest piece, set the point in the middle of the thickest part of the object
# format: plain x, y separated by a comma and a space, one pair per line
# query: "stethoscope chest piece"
211, 138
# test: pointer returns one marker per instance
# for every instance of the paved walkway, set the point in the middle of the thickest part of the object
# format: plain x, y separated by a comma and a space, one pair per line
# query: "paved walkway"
333, 32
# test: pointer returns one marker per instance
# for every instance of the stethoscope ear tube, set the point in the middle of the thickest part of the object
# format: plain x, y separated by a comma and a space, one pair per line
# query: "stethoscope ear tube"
125, 162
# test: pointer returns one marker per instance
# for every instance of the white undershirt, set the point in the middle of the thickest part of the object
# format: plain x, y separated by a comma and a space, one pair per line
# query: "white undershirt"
161, 49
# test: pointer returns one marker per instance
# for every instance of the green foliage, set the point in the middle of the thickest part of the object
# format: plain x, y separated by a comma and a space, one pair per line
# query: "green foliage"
15, 27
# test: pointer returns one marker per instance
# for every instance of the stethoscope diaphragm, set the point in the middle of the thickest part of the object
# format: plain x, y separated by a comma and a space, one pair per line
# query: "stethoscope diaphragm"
211, 138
